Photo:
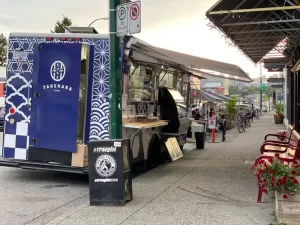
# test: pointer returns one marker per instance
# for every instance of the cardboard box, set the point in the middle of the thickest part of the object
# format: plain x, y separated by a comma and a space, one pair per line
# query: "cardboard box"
80, 157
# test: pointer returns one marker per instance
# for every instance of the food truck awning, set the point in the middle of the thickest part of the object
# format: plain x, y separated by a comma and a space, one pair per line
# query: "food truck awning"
262, 28
194, 64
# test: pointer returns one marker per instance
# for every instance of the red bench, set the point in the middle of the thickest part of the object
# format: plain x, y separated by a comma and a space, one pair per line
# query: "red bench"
286, 138
271, 145
284, 152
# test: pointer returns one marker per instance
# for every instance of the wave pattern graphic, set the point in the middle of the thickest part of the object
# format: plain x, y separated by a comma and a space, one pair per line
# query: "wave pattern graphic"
99, 119
99, 122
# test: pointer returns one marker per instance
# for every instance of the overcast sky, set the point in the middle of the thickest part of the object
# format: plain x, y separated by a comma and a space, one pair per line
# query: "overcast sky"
176, 25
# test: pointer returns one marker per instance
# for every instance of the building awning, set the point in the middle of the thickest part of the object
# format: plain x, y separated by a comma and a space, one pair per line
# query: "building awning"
222, 97
202, 95
194, 64
275, 64
217, 98
258, 28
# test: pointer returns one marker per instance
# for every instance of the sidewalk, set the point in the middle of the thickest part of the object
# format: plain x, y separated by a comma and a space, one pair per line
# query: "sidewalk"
210, 187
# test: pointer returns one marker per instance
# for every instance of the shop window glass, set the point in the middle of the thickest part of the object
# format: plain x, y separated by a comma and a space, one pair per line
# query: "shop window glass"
140, 84
166, 80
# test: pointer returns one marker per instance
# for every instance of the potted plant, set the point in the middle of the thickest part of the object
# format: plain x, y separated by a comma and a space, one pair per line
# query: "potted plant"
231, 111
277, 176
278, 116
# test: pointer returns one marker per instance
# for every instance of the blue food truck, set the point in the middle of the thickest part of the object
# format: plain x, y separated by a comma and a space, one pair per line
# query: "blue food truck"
57, 100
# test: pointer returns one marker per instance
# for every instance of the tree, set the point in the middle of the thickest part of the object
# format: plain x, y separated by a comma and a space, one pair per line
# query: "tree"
60, 25
3, 49
233, 90
244, 92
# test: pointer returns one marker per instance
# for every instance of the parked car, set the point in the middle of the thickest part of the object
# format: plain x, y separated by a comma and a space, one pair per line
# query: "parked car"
195, 107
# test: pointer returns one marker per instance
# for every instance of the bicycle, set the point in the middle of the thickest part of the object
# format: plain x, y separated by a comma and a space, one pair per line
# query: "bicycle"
256, 114
248, 119
240, 124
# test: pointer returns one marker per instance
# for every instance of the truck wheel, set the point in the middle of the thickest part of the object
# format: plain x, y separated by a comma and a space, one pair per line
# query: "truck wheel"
153, 159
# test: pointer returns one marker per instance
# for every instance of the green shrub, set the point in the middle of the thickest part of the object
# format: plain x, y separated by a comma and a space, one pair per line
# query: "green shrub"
231, 108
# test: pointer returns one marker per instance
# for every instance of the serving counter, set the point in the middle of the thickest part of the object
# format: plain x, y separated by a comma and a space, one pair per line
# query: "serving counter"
146, 124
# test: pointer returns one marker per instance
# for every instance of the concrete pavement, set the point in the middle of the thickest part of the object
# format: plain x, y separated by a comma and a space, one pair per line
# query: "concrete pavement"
211, 186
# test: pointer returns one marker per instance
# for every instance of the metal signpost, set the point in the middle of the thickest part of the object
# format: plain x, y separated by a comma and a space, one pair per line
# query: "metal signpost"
260, 91
239, 93
115, 113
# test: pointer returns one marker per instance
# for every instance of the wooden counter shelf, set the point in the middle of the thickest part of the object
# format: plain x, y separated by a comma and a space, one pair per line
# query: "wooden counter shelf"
159, 123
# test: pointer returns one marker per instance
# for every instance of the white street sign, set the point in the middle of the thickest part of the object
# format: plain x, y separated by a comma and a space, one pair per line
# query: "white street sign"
122, 20
134, 11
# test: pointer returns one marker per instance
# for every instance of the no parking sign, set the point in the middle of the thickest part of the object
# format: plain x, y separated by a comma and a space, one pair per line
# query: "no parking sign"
134, 17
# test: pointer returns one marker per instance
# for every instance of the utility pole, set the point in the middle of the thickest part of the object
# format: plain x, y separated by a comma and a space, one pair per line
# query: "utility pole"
115, 113
239, 94
260, 90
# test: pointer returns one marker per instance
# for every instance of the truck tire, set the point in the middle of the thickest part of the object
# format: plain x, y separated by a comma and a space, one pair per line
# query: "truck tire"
153, 158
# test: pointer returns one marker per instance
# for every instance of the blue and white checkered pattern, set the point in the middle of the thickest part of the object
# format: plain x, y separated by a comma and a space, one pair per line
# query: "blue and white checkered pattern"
18, 89
16, 140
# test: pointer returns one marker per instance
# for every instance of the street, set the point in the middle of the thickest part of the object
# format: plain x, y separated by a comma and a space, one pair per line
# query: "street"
29, 195
211, 186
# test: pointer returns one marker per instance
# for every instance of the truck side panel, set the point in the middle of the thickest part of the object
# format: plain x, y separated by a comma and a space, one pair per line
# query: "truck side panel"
18, 93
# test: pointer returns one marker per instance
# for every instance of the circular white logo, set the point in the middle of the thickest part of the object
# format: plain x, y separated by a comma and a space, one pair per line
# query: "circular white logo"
58, 71
106, 165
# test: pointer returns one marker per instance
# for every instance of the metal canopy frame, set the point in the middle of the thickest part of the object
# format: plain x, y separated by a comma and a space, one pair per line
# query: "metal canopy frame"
258, 28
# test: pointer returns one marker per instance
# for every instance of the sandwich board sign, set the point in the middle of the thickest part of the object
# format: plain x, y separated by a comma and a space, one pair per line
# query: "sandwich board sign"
134, 11
212, 123
128, 18
122, 20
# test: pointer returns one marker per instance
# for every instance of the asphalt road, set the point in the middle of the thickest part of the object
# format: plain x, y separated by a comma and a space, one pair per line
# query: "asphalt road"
28, 196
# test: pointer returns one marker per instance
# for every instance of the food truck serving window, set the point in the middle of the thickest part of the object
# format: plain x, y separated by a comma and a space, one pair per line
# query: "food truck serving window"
140, 84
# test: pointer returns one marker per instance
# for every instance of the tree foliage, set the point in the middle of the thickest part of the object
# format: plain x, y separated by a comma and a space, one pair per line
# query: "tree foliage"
233, 90
61, 24
3, 49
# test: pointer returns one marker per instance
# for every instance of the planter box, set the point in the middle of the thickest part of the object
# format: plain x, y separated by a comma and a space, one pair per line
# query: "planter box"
288, 210
231, 125
271, 195
278, 120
